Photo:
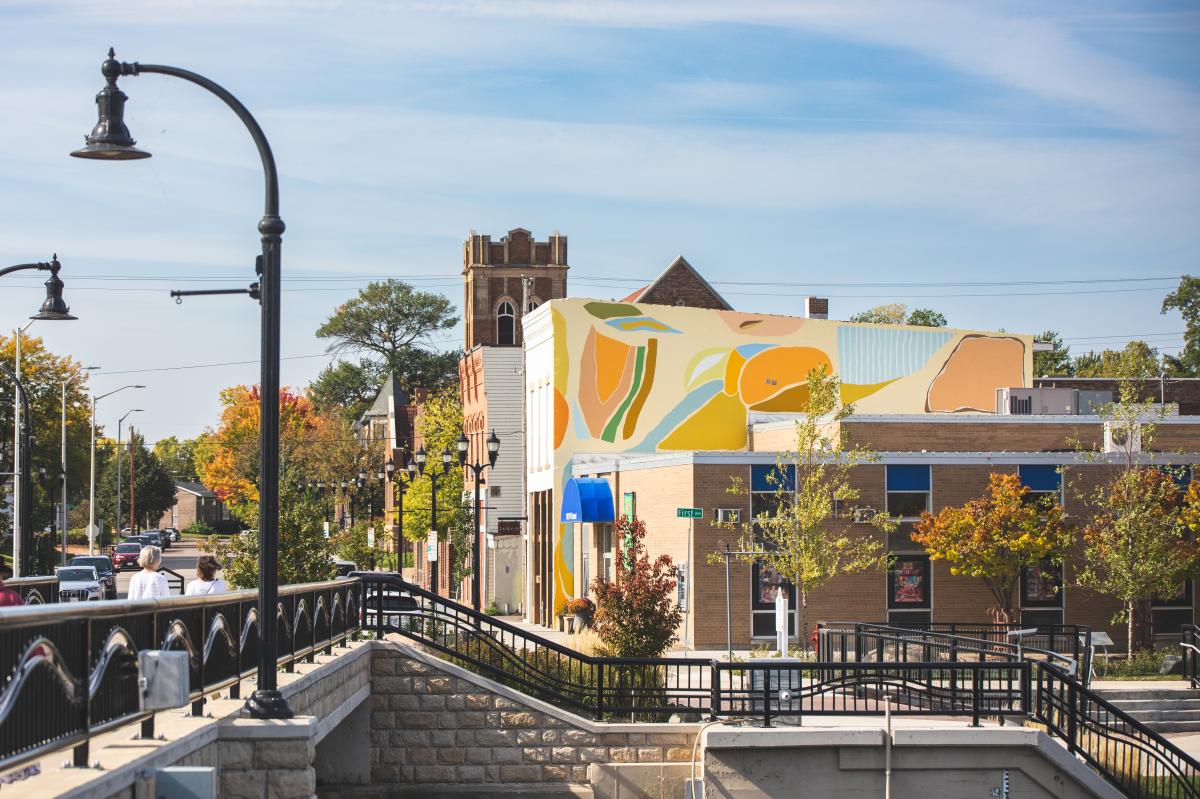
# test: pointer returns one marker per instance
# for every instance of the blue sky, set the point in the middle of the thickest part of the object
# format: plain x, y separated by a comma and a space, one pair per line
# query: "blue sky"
826, 148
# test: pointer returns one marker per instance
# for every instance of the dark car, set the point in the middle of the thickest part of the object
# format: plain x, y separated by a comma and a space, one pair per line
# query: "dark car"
172, 534
104, 567
125, 555
155, 539
138, 539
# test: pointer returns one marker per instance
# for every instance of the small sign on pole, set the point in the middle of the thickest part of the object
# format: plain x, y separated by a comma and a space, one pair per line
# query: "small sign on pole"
681, 586
370, 538
327, 529
689, 513
781, 620
431, 552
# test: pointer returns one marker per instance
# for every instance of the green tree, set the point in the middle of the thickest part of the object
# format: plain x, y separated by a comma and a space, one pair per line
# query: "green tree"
807, 535
1185, 299
892, 314
176, 456
1136, 361
926, 317
995, 536
153, 486
1055, 362
438, 427
393, 326
43, 374
346, 388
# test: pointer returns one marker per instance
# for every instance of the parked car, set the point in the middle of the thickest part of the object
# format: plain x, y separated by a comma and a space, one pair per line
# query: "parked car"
156, 538
125, 555
396, 607
78, 584
138, 539
104, 567
173, 533
344, 567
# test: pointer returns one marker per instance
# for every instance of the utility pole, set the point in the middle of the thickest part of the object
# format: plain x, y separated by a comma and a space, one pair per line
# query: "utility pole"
132, 513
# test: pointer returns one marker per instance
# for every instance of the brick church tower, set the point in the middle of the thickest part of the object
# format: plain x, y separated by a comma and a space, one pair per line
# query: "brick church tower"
504, 280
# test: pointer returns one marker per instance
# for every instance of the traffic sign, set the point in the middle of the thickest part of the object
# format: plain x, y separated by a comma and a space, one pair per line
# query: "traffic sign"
689, 513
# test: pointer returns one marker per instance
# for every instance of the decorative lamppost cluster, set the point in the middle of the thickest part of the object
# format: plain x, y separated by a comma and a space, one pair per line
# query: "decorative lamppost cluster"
493, 451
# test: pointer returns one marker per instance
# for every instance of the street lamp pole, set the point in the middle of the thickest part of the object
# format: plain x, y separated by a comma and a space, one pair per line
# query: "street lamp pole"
420, 459
399, 487
117, 520
110, 140
92, 471
493, 451
53, 309
63, 454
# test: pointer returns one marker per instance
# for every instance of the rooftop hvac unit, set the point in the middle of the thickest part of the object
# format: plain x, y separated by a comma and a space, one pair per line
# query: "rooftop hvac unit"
1123, 436
1036, 401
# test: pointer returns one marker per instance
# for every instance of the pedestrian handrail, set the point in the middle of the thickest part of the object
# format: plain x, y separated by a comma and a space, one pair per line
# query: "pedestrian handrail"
71, 669
39, 590
1189, 644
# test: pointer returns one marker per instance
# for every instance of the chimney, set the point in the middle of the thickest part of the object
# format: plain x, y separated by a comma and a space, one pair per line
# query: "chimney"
816, 307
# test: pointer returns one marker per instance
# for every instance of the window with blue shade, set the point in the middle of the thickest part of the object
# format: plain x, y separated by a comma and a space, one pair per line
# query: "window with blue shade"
770, 477
1044, 482
908, 490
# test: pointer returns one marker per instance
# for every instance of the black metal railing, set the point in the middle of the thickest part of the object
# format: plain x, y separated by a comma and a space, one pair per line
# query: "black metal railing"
1189, 645
1138, 761
35, 590
72, 669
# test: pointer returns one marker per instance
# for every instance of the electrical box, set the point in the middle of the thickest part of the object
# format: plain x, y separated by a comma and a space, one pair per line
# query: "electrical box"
185, 782
163, 679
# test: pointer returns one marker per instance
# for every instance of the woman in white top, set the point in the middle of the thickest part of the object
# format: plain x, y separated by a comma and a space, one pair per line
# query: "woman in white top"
149, 583
208, 582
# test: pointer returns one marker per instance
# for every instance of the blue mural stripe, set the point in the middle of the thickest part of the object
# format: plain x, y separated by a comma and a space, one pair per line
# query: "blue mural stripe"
875, 354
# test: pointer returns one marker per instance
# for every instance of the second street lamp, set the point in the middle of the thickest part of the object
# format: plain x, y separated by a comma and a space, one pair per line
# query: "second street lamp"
92, 472
110, 140
117, 520
476, 468
63, 454
420, 459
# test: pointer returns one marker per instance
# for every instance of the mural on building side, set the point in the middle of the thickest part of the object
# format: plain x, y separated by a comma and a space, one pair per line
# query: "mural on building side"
651, 378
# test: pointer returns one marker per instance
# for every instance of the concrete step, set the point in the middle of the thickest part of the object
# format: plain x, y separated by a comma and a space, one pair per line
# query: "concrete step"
1135, 694
1158, 704
1164, 715
1174, 726
538, 790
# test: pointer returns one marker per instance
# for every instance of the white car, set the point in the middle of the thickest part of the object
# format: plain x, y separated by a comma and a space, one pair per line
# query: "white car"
78, 584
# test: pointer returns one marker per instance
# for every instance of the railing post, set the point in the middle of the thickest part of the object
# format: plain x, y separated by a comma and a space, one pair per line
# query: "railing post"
766, 696
600, 690
81, 752
976, 694
198, 705
714, 701
379, 611
1072, 717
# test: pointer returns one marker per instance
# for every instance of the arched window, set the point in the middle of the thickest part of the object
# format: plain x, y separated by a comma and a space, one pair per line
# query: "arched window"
533, 303
506, 325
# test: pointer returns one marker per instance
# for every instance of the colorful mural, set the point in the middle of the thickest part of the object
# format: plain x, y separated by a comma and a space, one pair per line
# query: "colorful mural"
651, 378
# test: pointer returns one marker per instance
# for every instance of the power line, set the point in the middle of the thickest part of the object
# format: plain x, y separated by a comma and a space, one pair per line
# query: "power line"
937, 284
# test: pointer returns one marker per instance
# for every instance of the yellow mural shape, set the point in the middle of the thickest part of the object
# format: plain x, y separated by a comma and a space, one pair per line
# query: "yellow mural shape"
853, 393
792, 400
719, 424
772, 371
970, 376
733, 368
562, 360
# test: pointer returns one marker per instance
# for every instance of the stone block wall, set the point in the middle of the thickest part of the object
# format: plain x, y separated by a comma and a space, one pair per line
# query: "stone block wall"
253, 768
431, 726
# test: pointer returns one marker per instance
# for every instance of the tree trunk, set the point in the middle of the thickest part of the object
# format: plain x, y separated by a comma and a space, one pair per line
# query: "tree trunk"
803, 631
1141, 626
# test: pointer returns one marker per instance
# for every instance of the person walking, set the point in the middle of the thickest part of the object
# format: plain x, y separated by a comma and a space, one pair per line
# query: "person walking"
207, 581
149, 583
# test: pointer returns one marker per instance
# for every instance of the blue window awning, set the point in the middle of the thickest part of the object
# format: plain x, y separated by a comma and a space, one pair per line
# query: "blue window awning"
587, 499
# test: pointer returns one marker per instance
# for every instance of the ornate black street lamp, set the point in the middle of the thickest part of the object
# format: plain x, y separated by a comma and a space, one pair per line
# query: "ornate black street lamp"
400, 486
110, 140
493, 451
420, 459
53, 309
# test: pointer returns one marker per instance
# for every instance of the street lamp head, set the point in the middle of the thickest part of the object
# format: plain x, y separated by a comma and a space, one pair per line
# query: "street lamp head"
362, 475
462, 445
110, 139
390, 468
54, 307
419, 458
381, 476
493, 448
411, 468
447, 458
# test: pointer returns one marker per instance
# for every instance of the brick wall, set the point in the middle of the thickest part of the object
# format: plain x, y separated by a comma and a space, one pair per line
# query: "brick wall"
492, 272
681, 286
434, 724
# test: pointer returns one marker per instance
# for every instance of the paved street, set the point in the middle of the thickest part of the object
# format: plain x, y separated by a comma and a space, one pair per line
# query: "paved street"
181, 557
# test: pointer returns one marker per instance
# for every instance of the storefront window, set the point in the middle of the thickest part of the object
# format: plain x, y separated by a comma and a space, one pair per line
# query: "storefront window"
908, 489
910, 589
766, 481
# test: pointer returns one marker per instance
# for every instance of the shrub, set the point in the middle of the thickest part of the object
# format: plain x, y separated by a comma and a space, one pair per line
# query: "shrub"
636, 616
581, 606
199, 529
561, 608
492, 609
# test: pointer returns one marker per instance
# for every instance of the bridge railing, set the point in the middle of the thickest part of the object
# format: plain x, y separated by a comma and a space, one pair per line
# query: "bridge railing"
35, 590
1189, 646
72, 668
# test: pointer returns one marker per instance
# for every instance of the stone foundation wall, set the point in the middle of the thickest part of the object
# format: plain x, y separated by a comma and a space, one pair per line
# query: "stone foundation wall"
433, 725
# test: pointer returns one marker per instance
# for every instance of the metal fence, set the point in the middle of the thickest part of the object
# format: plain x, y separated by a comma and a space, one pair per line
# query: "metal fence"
1189, 646
35, 590
72, 669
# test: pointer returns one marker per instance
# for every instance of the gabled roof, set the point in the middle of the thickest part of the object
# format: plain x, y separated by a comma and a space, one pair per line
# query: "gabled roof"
680, 263
391, 395
193, 487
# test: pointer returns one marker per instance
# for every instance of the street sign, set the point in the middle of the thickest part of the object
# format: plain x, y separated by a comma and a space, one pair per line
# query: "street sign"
370, 538
491, 541
327, 529
431, 553
689, 513
681, 587
508, 527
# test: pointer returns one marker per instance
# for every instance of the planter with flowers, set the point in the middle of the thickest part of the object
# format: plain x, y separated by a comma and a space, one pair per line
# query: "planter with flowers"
583, 609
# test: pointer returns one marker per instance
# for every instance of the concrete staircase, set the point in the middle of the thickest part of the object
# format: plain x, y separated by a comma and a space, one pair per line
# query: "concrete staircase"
1160, 709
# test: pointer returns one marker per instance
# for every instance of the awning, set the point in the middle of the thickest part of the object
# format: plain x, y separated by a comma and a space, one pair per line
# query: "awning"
587, 499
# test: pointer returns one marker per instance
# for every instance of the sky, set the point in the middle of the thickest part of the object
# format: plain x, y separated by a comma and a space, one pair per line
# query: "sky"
959, 156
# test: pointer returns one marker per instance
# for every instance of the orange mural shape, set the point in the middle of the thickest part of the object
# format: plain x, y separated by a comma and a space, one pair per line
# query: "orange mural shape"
605, 376
561, 415
970, 376
758, 325
773, 371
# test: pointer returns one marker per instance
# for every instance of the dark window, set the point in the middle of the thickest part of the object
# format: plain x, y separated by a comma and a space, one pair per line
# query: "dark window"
1044, 482
506, 325
909, 585
907, 490
766, 584
1041, 586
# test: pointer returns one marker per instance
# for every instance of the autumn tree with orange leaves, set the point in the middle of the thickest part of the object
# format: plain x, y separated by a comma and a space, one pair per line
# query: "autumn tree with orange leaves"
311, 447
995, 536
